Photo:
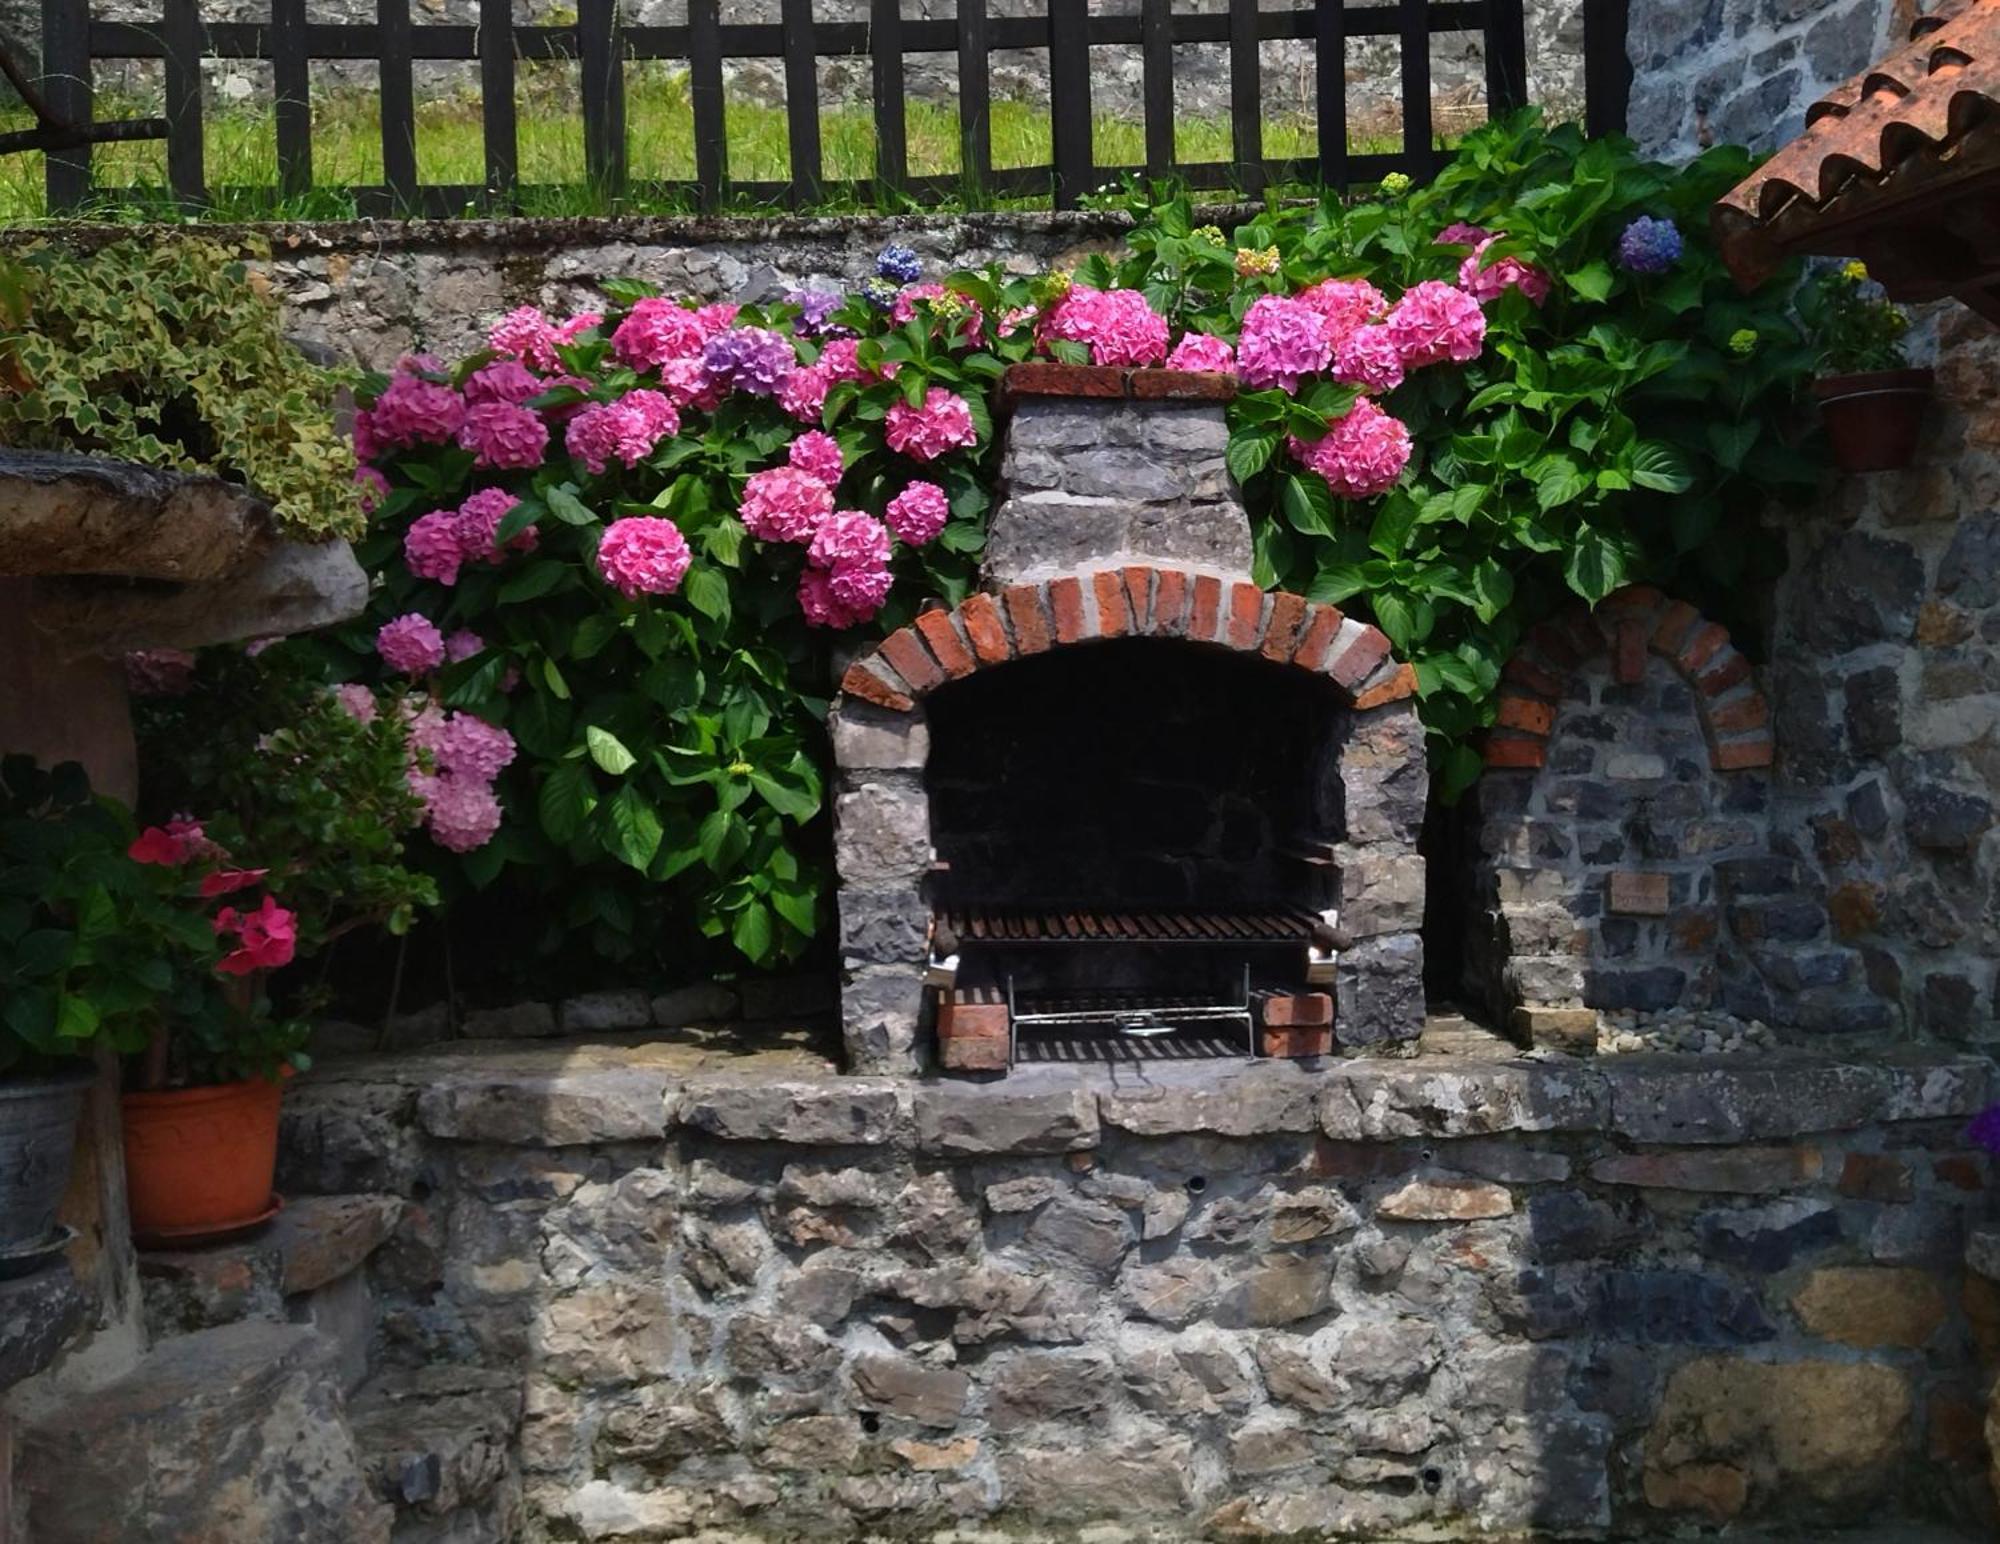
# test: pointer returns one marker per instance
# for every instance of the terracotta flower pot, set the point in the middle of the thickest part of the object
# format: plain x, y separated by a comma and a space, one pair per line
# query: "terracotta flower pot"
199, 1161
1873, 418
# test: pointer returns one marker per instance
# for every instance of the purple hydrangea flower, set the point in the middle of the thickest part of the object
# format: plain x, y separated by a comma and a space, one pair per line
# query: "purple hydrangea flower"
879, 293
816, 308
899, 264
752, 359
1649, 245
1985, 1129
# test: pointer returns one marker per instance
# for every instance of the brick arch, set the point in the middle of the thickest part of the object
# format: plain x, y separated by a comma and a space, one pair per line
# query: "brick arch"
1137, 601
1630, 624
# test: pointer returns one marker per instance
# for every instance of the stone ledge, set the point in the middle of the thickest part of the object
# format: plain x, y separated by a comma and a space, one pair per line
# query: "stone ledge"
38, 1315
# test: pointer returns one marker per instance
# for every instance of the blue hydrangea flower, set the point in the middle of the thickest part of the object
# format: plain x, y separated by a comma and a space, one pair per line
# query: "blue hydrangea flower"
752, 359
816, 308
1649, 245
899, 264
880, 293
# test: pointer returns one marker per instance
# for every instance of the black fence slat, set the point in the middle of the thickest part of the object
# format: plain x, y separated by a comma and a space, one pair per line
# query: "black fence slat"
1157, 59
180, 34
499, 128
892, 151
291, 92
1330, 90
397, 94
66, 87
802, 103
1416, 62
1607, 72
711, 144
603, 95
1069, 98
1506, 57
975, 102
1246, 96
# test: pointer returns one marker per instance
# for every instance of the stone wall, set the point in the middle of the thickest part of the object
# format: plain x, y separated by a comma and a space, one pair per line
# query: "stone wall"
1484, 1296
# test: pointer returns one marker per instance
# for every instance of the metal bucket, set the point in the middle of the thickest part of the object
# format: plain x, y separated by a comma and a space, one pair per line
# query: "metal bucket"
37, 1140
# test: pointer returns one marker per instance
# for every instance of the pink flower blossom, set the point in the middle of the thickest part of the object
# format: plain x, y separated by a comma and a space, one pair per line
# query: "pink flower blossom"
433, 547
627, 429
372, 485
504, 436
1490, 282
462, 644
357, 701
1368, 358
717, 316
685, 384
576, 326
265, 938
1282, 341
414, 411
818, 456
918, 513
1361, 455
473, 749
460, 815
525, 333
1201, 351
849, 536
479, 520
841, 361
643, 555
657, 330
1459, 234
1433, 322
783, 503
942, 424
861, 587
159, 672
1120, 327
820, 606
1345, 303
945, 304
410, 644
229, 881
803, 393
179, 841
505, 380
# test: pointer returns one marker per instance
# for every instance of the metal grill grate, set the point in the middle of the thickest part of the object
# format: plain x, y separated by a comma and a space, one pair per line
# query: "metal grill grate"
1124, 1048
1009, 925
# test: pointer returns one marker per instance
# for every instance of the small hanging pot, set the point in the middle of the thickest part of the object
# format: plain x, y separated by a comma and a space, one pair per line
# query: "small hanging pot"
1873, 417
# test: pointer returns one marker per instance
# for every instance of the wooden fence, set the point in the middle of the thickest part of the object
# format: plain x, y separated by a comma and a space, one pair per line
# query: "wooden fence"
601, 43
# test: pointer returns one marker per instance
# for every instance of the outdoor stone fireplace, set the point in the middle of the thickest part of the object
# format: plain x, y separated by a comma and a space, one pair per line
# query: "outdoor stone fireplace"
1123, 796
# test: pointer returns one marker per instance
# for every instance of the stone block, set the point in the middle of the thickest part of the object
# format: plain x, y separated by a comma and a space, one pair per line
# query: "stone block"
1871, 1306
1379, 991
1379, 892
515, 1021
38, 1315
830, 1112
1557, 1029
231, 1433
1768, 1238
1036, 1386
1445, 1198
881, 1010
882, 831
1363, 1103
437, 1439
602, 1012
704, 1002
1733, 1171
1669, 1307
900, 1386
965, 1120
1234, 1099
1277, 1289
887, 925
1638, 895
547, 1109
870, 738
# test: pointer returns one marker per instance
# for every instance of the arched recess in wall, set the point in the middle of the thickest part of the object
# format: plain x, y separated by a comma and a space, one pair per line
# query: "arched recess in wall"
1624, 856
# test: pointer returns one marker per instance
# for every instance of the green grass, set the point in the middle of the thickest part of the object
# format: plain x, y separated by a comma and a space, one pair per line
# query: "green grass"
242, 163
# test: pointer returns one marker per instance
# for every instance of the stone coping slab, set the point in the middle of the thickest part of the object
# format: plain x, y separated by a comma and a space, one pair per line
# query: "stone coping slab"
553, 1095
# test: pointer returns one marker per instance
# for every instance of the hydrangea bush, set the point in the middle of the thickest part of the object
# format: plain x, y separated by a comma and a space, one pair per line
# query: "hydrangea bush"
627, 545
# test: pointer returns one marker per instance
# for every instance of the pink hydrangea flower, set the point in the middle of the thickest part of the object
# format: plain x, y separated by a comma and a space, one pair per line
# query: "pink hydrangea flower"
945, 304
817, 455
1369, 358
783, 503
479, 520
462, 644
576, 326
918, 513
1435, 321
525, 333
840, 359
942, 424
472, 749
505, 380
433, 547
1360, 456
503, 436
860, 586
414, 411
357, 701
1283, 340
1120, 327
159, 672
718, 316
803, 393
643, 555
656, 330
1202, 351
461, 815
411, 644
1485, 282
821, 607
373, 486
849, 536
1345, 303
1459, 234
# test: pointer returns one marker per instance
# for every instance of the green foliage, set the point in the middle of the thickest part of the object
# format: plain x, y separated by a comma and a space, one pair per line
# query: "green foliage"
166, 351
93, 946
1610, 435
1851, 323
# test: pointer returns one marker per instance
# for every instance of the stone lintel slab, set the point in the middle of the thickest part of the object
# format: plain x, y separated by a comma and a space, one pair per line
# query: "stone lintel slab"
548, 1109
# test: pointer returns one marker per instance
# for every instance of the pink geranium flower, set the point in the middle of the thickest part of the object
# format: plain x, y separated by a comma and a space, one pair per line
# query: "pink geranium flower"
265, 938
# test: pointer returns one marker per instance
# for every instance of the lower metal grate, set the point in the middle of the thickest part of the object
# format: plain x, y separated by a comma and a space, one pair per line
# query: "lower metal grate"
1125, 1048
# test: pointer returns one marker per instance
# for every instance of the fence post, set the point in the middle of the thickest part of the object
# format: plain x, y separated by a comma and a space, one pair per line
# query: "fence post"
291, 83
1156, 42
711, 142
1416, 61
398, 104
1607, 72
1330, 90
601, 57
1506, 57
802, 102
496, 101
181, 39
1069, 98
975, 102
1246, 97
885, 45
66, 86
